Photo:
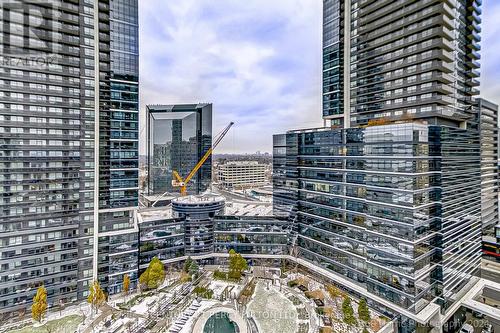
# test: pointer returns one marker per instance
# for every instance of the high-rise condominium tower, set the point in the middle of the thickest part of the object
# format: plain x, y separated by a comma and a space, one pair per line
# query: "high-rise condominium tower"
401, 59
177, 138
68, 147
387, 197
488, 116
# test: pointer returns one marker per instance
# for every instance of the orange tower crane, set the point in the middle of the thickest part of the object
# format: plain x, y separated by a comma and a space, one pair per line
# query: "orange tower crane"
182, 183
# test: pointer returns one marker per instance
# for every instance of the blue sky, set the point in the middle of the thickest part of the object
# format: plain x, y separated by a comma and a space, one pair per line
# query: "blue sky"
490, 51
257, 61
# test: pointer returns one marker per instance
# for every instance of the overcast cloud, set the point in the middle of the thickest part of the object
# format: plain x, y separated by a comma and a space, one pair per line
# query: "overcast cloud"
490, 51
257, 61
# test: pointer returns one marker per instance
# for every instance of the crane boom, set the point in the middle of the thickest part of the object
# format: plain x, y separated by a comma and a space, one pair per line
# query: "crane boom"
182, 183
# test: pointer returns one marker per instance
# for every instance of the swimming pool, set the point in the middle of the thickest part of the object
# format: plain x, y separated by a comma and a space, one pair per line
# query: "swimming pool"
220, 323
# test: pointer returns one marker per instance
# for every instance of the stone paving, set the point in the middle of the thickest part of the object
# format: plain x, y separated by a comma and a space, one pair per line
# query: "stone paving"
271, 310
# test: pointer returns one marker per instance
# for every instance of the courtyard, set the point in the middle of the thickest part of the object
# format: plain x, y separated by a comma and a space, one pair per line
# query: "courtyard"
263, 300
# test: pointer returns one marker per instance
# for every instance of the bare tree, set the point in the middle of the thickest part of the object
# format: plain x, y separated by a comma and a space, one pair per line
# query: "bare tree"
82, 313
61, 307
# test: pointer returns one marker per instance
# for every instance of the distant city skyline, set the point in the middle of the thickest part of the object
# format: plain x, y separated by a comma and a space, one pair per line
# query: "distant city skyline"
258, 62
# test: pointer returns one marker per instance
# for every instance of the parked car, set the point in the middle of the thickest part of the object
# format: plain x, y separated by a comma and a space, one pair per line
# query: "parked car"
477, 314
467, 328
488, 328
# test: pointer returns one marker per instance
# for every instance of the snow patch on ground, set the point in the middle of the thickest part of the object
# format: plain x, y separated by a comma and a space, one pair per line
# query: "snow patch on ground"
204, 305
272, 311
219, 286
145, 305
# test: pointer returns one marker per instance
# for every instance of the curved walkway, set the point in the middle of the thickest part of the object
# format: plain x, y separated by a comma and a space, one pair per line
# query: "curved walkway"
233, 315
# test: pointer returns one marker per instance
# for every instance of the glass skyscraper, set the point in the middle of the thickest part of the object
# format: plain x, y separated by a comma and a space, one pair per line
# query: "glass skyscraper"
381, 206
118, 143
488, 117
69, 146
404, 59
387, 197
177, 138
333, 66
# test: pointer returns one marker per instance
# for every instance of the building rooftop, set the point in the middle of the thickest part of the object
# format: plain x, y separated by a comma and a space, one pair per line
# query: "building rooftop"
154, 213
242, 163
248, 209
205, 197
158, 197
174, 107
231, 208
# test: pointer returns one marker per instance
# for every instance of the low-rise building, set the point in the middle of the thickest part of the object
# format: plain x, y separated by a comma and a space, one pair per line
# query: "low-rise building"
239, 175
206, 227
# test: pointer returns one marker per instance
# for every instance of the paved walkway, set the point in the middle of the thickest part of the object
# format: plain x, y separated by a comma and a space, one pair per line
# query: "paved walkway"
490, 270
106, 310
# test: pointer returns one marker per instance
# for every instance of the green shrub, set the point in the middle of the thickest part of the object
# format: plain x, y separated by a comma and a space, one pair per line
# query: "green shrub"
204, 292
154, 275
333, 291
218, 275
187, 264
185, 277
363, 311
234, 275
348, 311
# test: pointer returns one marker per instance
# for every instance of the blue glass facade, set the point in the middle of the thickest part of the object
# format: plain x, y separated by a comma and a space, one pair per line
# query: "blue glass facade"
118, 142
333, 58
69, 155
391, 201
410, 59
177, 138
124, 104
256, 235
381, 206
199, 227
162, 238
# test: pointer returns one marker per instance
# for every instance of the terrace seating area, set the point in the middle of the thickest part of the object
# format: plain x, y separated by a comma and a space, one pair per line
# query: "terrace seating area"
184, 317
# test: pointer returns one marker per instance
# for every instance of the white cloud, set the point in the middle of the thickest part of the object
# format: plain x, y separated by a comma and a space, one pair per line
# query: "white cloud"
258, 61
490, 49
226, 52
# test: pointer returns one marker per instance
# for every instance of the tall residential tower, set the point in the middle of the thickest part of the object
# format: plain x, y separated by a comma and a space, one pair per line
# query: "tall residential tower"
68, 149
401, 59
387, 197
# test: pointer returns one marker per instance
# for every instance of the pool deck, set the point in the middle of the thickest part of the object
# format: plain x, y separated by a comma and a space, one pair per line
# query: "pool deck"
233, 315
